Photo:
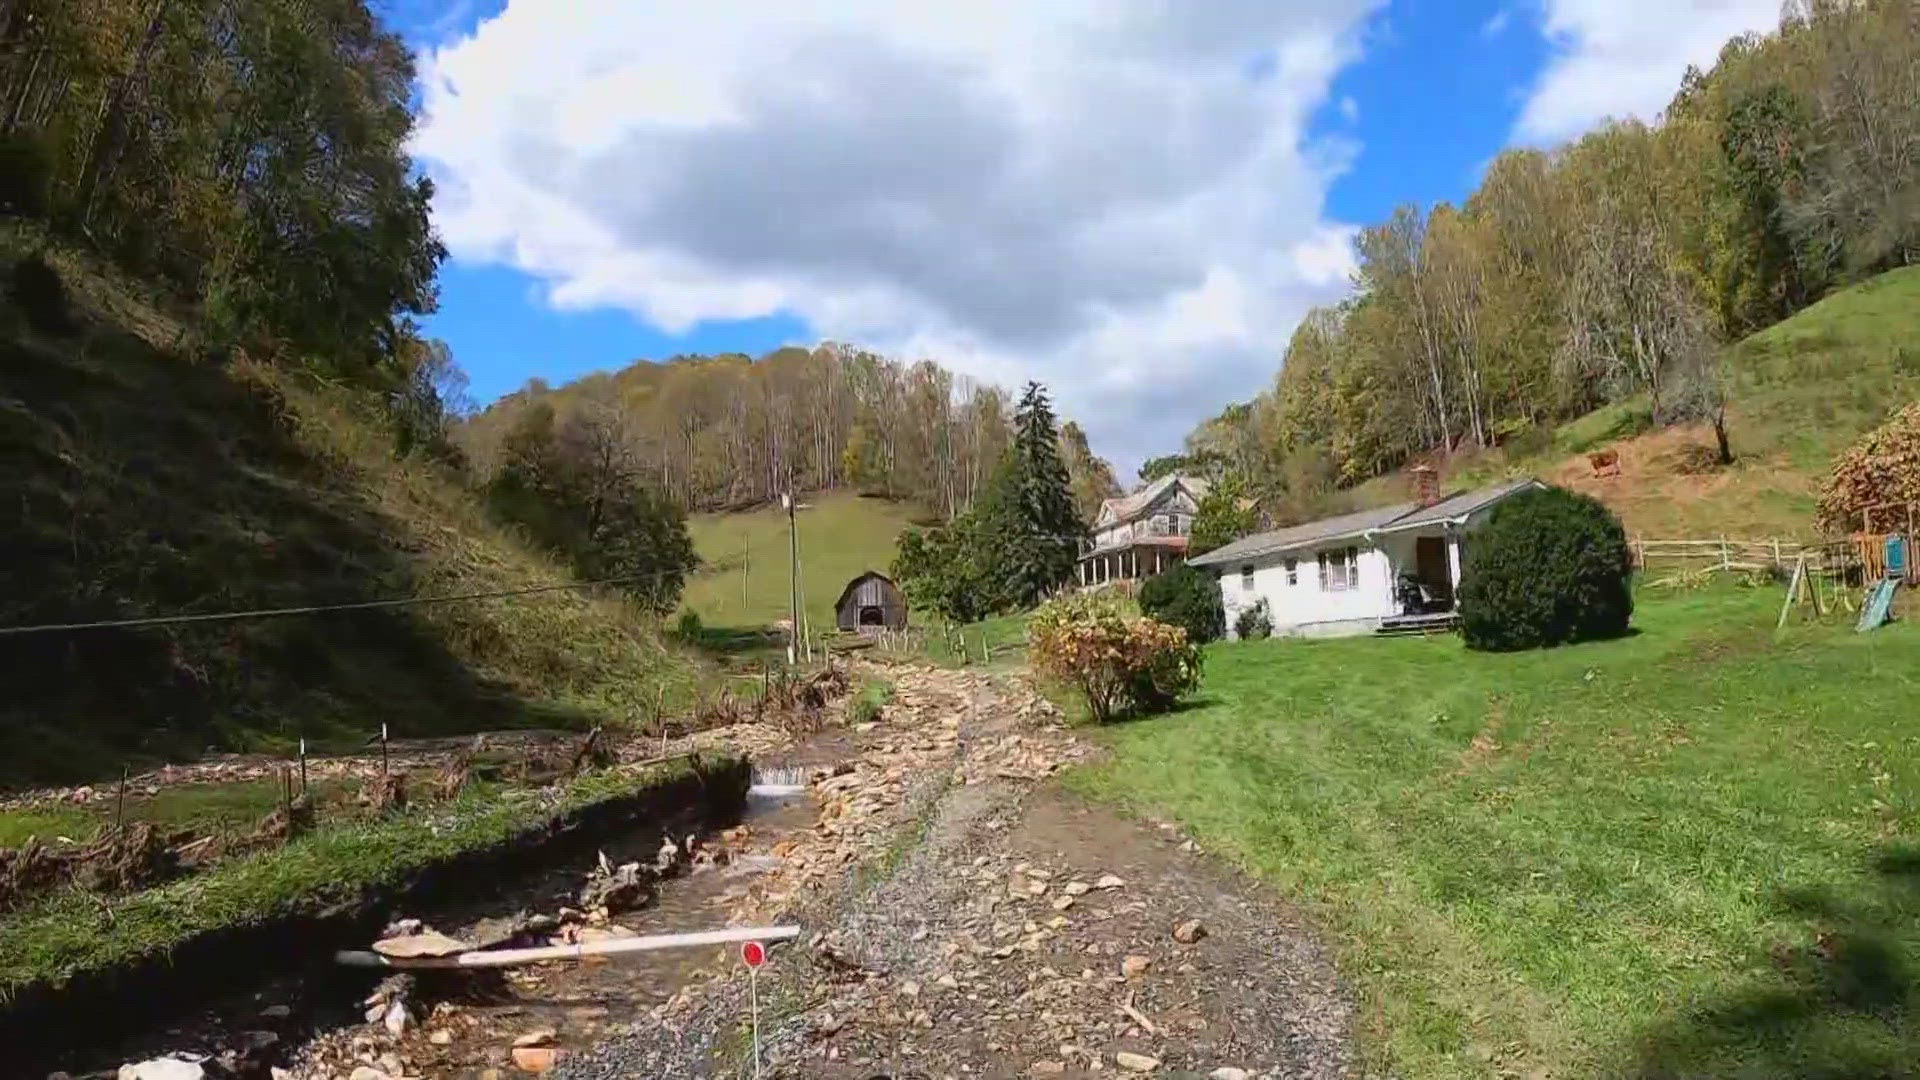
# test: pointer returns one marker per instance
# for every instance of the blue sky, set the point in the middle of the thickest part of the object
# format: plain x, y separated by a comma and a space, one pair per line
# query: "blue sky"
627, 179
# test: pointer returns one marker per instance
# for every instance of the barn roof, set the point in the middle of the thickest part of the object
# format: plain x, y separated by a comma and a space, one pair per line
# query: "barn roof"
855, 583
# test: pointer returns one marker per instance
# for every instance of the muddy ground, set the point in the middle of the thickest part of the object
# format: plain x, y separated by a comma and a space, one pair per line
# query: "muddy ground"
963, 915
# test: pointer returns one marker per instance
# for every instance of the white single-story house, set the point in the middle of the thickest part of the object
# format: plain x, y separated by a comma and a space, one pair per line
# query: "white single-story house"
1393, 568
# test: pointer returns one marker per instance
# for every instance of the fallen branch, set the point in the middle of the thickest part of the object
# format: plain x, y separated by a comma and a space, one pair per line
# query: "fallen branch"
516, 957
1138, 1017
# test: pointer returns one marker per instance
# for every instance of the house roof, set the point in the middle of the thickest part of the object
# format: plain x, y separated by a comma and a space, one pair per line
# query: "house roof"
1171, 543
1129, 507
1462, 503
1406, 515
1296, 536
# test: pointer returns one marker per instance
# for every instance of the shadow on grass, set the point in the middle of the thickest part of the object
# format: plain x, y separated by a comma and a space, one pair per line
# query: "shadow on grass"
1840, 1004
734, 641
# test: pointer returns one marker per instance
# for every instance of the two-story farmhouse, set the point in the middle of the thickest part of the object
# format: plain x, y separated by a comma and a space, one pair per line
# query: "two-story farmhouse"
1139, 535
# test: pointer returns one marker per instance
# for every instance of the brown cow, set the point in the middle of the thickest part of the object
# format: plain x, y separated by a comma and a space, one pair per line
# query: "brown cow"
1605, 462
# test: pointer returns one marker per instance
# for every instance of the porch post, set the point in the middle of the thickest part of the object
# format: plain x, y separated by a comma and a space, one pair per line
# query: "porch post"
1453, 558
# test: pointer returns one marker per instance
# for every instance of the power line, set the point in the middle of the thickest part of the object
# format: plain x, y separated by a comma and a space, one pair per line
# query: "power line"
314, 609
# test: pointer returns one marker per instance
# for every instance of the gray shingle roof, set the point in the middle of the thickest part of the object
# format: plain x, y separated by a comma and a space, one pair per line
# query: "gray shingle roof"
1404, 515
1129, 507
1463, 503
1313, 532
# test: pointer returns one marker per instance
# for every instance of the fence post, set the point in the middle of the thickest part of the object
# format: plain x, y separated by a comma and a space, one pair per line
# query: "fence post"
1725, 562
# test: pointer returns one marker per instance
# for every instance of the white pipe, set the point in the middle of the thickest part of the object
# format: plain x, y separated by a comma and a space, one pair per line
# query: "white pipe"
515, 957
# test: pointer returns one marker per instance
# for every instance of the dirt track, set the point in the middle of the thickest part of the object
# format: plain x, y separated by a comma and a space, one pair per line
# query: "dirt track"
969, 917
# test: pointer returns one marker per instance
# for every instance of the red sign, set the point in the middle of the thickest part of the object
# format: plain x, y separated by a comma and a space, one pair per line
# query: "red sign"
753, 953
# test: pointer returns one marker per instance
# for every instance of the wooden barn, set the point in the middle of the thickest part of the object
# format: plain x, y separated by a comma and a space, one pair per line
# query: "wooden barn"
870, 603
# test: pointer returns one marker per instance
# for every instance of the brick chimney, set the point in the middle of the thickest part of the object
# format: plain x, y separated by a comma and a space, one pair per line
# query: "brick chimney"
1426, 485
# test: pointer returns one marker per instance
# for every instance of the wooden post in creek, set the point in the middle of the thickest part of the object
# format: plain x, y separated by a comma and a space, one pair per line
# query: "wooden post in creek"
303, 766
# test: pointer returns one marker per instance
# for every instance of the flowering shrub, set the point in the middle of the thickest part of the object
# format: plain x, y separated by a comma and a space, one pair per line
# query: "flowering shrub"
1117, 660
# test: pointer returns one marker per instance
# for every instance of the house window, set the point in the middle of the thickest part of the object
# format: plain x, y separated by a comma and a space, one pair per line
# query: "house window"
1340, 569
1246, 579
1163, 525
1293, 571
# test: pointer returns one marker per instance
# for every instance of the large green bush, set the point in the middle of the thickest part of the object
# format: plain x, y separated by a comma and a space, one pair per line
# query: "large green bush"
1550, 567
1187, 597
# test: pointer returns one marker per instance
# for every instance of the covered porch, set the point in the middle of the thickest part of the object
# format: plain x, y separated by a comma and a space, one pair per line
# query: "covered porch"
1424, 567
1130, 561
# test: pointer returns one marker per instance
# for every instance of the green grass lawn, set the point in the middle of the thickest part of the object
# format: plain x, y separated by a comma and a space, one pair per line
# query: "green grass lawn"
1691, 851
1004, 638
744, 580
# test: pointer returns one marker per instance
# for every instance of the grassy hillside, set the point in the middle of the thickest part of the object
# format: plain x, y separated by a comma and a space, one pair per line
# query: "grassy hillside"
145, 478
1802, 391
744, 580
1688, 852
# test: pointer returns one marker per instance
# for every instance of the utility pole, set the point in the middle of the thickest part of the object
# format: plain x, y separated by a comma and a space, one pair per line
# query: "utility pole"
793, 581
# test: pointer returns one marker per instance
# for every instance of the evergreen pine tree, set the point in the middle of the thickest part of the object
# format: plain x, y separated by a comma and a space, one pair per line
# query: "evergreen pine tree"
1040, 529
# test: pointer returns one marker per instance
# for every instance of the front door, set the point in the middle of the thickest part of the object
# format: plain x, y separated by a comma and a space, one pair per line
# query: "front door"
1430, 565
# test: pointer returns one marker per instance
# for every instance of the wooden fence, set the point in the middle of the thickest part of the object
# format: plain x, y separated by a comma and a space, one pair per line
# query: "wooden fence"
1724, 553
1862, 555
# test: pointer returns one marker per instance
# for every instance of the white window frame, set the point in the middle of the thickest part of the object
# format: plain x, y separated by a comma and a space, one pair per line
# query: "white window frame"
1293, 571
1246, 578
1340, 570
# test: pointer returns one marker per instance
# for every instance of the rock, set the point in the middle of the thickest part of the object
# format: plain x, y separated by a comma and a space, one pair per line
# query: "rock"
1077, 888
367, 1072
1133, 1062
1047, 1068
535, 1059
397, 1019
1189, 932
430, 943
1228, 1072
1110, 881
1135, 966
440, 1037
537, 1037
1062, 903
277, 1012
166, 1068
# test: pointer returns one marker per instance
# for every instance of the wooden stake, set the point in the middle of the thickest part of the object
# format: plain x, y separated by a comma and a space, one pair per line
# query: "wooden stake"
1793, 589
303, 766
383, 749
120, 801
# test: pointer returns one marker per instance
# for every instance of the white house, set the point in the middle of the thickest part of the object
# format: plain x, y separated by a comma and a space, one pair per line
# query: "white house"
1141, 534
1393, 568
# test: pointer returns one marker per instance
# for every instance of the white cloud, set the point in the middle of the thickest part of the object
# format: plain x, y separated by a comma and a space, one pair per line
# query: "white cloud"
1618, 58
1498, 24
1116, 197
